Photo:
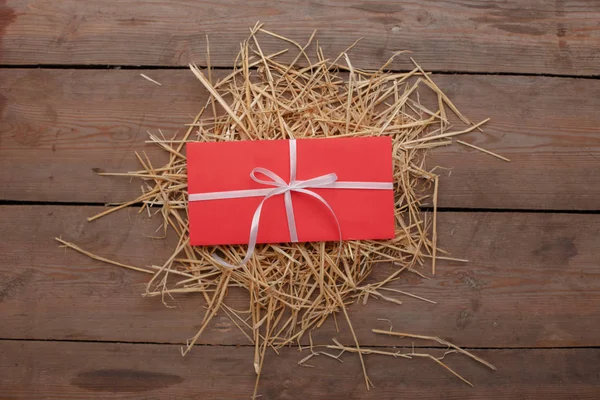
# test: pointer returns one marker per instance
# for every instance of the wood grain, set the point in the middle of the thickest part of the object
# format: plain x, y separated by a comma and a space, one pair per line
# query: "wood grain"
521, 36
533, 280
55, 370
60, 127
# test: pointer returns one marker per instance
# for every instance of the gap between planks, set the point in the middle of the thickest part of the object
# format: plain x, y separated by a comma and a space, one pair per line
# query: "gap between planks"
104, 67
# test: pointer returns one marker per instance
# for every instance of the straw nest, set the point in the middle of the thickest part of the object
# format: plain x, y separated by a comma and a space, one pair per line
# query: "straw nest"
294, 287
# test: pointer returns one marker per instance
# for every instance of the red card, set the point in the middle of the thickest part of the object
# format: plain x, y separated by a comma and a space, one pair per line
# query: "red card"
226, 166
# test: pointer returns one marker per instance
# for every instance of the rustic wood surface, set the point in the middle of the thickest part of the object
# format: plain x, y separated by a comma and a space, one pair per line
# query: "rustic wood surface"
527, 301
92, 121
532, 281
46, 370
521, 36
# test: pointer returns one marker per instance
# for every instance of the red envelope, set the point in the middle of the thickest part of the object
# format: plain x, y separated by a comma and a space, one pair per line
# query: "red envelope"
226, 166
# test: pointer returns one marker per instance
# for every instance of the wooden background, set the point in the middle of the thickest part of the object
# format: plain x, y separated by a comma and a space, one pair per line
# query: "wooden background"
72, 104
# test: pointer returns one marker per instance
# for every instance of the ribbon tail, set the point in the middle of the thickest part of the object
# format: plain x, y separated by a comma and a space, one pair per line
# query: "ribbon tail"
253, 235
289, 211
322, 200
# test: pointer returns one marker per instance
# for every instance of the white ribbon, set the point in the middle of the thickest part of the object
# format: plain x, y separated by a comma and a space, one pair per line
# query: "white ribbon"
328, 181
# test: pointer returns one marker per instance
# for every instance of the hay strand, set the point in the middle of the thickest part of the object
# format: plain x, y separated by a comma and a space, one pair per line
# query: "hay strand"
483, 150
150, 79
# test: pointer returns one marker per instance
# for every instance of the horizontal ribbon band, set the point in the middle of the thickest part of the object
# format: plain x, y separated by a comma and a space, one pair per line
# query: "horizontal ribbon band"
238, 194
280, 186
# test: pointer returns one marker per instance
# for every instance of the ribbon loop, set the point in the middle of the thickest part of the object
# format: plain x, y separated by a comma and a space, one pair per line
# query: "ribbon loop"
276, 180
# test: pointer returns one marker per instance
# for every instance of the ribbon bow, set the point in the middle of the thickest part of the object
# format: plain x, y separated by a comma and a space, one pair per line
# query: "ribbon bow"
329, 181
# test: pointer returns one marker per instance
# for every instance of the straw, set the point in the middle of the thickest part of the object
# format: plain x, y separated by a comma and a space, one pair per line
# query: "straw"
98, 258
483, 150
294, 288
150, 79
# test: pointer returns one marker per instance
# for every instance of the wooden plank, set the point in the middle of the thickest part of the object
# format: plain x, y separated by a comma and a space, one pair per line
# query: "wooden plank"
77, 122
59, 370
521, 36
533, 280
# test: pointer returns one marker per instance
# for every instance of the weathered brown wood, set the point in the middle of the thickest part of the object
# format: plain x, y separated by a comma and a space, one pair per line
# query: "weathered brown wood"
59, 127
533, 280
69, 370
523, 36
